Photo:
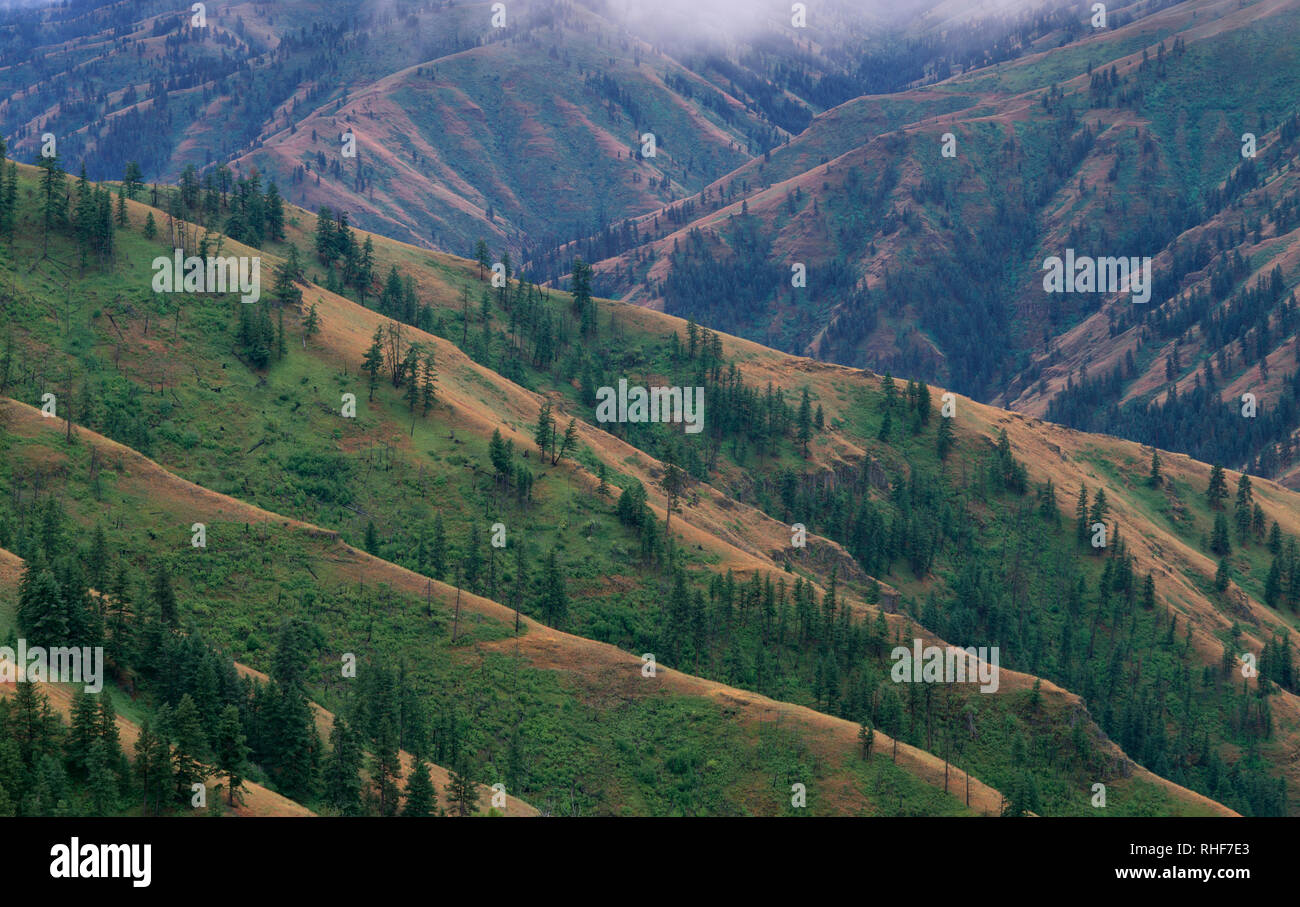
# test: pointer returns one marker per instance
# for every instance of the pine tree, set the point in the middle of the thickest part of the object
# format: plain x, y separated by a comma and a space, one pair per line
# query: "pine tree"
122, 219
411, 372
274, 213
462, 793
54, 206
805, 422
41, 614
101, 780
428, 388
1217, 491
1081, 515
421, 798
569, 443
83, 733
311, 324
1273, 585
1243, 512
1219, 542
866, 738
191, 745
343, 769
1154, 478
945, 439
891, 391
231, 751
545, 426
438, 552
153, 769
163, 596
553, 602
374, 361
1222, 577
132, 180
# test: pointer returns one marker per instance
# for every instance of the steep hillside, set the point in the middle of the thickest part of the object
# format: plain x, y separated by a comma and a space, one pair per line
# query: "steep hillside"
717, 601
863, 242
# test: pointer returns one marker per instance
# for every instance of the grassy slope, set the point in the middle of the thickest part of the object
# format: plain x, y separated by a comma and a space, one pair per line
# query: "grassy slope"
208, 453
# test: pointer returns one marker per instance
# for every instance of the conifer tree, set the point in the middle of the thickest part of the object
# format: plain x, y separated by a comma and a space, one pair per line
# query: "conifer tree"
374, 360
231, 751
568, 444
945, 440
462, 793
1218, 487
805, 422
311, 324
421, 798
553, 600
545, 425
428, 386
438, 551
343, 769
190, 746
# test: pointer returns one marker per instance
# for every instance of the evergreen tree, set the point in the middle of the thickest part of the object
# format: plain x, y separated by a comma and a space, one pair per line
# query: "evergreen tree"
569, 443
428, 387
438, 552
191, 745
1218, 488
545, 426
866, 738
1222, 577
805, 422
553, 598
945, 439
421, 798
462, 793
54, 204
343, 769
101, 780
163, 596
132, 180
274, 213
1154, 478
374, 361
1081, 515
83, 734
1219, 543
311, 324
231, 750
153, 769
1243, 512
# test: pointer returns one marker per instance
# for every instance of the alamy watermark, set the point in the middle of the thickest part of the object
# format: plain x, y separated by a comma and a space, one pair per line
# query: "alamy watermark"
946, 664
61, 664
213, 275
655, 404
1085, 274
